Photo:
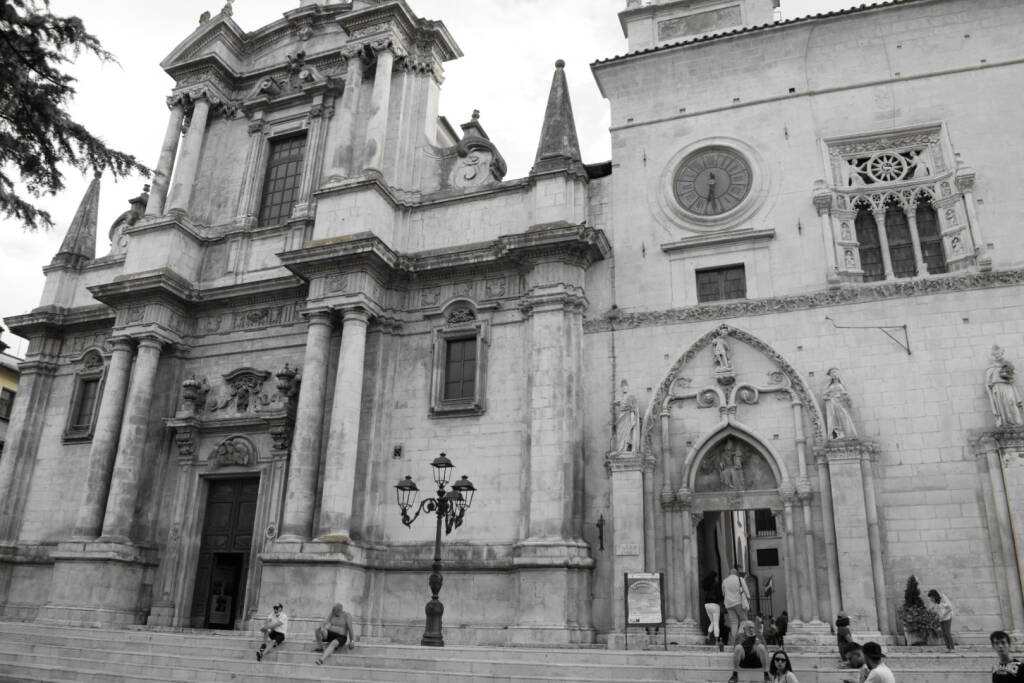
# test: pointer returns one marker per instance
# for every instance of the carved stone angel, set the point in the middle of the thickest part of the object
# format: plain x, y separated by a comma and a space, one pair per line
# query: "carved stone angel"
838, 419
720, 349
627, 421
1002, 392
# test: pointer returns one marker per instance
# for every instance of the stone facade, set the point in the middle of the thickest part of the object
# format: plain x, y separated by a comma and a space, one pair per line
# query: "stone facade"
221, 406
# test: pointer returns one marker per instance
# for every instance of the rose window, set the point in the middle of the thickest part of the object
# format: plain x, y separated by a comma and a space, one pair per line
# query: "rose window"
887, 167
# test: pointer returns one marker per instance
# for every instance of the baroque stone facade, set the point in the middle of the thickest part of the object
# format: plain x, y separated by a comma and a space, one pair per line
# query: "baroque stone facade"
762, 334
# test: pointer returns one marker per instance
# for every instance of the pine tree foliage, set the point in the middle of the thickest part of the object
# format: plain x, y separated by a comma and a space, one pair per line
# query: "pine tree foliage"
37, 135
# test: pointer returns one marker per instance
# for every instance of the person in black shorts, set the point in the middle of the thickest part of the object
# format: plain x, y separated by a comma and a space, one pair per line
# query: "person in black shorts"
274, 630
335, 632
1008, 670
750, 651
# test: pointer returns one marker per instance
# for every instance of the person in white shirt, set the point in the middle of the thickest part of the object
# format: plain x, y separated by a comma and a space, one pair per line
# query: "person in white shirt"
737, 601
878, 672
943, 609
274, 630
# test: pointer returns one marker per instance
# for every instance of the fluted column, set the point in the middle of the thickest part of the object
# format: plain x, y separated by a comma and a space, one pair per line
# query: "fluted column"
26, 424
319, 114
103, 450
297, 522
131, 449
915, 240
188, 161
255, 169
823, 204
165, 164
376, 129
343, 436
883, 243
341, 160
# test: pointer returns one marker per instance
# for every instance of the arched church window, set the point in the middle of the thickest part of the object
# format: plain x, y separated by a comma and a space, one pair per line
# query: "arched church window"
901, 244
870, 249
931, 236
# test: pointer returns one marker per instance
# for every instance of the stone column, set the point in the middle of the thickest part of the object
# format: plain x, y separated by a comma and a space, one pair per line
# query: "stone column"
853, 544
798, 588
319, 114
376, 129
255, 169
1008, 549
627, 526
828, 521
874, 538
883, 243
131, 451
804, 494
188, 162
297, 519
788, 569
683, 529
915, 239
965, 183
343, 436
22, 443
341, 161
823, 204
103, 450
165, 164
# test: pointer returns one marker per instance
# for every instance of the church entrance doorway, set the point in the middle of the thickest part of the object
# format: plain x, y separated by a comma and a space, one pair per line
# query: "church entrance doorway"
751, 540
223, 566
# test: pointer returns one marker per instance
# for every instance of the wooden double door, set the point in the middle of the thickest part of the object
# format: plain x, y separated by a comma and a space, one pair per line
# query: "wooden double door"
223, 567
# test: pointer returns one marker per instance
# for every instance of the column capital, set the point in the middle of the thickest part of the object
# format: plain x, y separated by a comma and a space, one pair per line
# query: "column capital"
355, 315
121, 343
152, 341
318, 316
848, 450
822, 201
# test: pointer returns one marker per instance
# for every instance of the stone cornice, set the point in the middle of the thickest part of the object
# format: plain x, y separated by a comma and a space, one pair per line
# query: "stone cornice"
53, 320
854, 294
719, 239
397, 14
161, 284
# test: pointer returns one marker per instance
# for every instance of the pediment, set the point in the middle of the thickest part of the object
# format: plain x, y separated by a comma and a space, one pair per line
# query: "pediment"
219, 40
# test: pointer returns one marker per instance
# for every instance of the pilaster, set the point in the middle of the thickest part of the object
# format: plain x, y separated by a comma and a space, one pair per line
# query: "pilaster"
188, 161
165, 163
627, 522
380, 105
1003, 450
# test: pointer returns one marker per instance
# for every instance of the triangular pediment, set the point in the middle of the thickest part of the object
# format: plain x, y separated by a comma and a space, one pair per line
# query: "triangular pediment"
219, 39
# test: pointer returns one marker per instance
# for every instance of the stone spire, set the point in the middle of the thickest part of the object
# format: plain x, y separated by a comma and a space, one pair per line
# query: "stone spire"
559, 148
79, 243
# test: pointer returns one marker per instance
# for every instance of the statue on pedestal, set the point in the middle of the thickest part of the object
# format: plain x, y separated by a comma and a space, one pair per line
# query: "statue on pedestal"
1002, 392
838, 420
627, 421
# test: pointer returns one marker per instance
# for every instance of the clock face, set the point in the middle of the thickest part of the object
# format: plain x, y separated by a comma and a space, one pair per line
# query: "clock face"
712, 181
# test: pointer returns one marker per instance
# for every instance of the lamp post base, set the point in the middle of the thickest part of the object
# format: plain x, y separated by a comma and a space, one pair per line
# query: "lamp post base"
432, 636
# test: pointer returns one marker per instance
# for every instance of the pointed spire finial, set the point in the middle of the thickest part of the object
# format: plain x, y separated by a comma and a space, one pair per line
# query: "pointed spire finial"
79, 243
559, 147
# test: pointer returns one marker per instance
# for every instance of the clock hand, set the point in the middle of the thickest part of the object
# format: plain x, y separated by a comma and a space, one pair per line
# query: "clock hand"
711, 190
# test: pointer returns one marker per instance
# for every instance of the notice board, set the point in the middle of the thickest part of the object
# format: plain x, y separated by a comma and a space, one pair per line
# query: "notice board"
645, 605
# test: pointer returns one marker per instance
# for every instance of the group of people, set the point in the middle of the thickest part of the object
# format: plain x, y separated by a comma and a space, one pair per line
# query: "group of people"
335, 632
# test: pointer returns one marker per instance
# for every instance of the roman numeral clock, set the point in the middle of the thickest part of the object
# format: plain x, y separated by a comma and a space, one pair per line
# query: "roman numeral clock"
712, 181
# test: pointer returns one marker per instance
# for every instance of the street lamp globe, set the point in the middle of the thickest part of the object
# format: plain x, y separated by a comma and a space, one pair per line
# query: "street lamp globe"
465, 488
442, 470
406, 491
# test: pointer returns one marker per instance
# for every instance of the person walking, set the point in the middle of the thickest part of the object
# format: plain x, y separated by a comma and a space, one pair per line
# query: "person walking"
1008, 669
335, 632
712, 591
737, 601
780, 669
274, 630
878, 672
843, 636
943, 609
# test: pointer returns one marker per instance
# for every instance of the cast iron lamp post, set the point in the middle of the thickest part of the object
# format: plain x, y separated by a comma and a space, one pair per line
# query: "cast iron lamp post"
450, 506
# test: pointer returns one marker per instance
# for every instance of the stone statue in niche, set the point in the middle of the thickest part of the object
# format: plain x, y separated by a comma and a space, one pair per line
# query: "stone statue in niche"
838, 421
720, 350
1003, 398
627, 421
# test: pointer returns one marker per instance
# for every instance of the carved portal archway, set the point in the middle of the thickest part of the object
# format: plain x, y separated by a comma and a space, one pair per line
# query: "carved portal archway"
730, 387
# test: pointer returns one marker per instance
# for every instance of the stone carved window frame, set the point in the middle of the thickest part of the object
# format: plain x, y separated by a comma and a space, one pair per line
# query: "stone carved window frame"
946, 184
92, 367
460, 321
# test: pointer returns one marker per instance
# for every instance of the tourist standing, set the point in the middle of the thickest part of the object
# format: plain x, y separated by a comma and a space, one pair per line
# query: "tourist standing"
737, 601
878, 672
781, 670
336, 631
712, 591
943, 609
1007, 670
274, 630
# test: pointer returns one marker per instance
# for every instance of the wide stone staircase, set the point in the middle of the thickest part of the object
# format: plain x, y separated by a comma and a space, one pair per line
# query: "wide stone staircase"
44, 653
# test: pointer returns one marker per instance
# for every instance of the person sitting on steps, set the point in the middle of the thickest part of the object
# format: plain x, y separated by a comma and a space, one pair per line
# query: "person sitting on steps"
336, 631
750, 652
274, 630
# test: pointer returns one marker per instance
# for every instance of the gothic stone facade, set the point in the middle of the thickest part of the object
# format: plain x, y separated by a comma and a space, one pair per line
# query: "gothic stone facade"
328, 285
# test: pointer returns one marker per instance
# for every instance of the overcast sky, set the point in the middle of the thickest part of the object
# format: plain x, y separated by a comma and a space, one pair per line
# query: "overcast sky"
510, 48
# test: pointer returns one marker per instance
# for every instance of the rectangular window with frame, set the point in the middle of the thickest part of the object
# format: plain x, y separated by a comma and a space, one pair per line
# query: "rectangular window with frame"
460, 369
281, 182
459, 372
721, 284
6, 403
85, 405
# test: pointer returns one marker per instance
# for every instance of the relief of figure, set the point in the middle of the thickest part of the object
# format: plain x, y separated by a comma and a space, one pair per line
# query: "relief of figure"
957, 245
730, 466
918, 166
1002, 393
853, 176
627, 421
845, 233
473, 169
851, 261
721, 352
838, 420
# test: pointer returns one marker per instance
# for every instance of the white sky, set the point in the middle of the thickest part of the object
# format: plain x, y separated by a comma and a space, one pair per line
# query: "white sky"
510, 48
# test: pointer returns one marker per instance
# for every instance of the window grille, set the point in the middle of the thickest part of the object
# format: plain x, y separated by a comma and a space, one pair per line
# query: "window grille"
931, 237
901, 245
281, 184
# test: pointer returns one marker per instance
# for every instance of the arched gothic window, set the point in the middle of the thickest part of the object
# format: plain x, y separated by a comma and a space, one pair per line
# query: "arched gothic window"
901, 244
870, 250
931, 236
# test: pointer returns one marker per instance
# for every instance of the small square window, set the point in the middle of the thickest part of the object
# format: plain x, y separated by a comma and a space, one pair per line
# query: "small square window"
6, 403
767, 557
721, 284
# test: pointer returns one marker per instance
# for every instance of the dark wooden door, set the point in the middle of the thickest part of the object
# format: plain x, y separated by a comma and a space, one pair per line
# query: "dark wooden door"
223, 565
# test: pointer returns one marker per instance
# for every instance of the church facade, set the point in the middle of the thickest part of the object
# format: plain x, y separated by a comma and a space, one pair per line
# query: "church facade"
776, 330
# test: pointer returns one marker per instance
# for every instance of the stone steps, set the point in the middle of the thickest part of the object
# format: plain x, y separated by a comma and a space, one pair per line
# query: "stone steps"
43, 652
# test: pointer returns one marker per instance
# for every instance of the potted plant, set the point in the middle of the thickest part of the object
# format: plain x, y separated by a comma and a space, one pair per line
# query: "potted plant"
919, 622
